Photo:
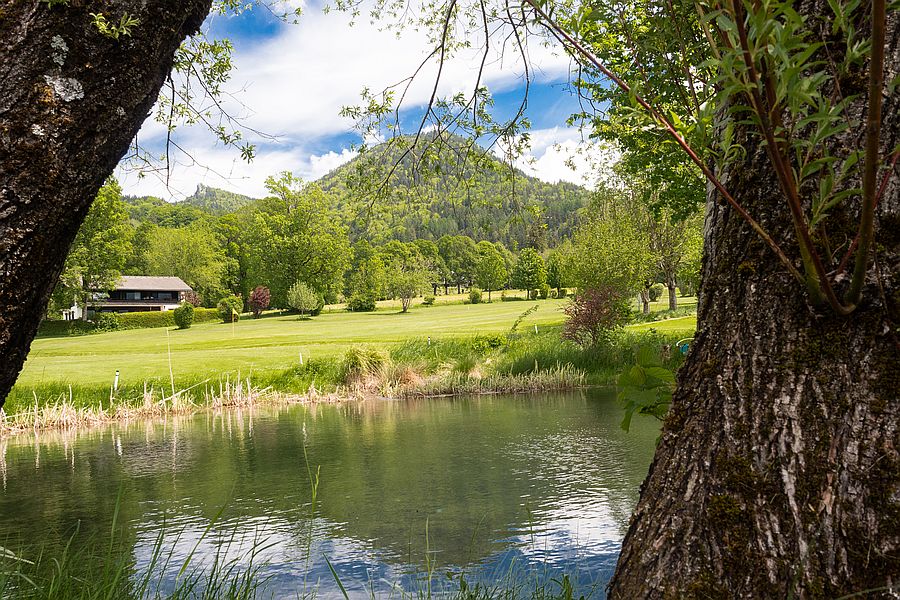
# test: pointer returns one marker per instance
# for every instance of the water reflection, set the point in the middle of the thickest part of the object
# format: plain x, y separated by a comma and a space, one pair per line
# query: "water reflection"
541, 483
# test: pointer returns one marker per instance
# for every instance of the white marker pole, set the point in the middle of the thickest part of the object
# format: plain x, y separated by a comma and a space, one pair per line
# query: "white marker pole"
535, 328
116, 382
301, 357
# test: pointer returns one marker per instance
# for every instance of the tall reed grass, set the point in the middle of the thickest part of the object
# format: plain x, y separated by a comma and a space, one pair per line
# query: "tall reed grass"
67, 411
86, 570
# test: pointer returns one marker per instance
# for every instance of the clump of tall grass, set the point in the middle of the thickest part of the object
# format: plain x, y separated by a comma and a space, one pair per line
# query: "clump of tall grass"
465, 365
559, 378
362, 366
536, 353
432, 354
317, 373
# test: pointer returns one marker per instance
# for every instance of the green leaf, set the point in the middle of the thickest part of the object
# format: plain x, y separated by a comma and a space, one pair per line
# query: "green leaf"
660, 373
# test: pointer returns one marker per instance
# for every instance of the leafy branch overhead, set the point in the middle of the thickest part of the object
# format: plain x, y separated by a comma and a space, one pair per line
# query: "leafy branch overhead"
781, 86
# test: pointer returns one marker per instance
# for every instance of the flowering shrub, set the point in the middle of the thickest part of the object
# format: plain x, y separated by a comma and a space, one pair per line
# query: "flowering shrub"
259, 300
594, 314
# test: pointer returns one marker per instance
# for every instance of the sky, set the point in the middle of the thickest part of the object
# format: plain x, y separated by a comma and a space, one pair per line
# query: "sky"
290, 82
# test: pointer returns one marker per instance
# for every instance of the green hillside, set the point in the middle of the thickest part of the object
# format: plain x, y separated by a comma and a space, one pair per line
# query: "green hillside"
445, 188
205, 202
432, 191
216, 201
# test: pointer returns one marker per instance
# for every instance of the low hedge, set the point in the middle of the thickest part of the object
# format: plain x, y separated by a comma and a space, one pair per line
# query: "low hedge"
166, 318
59, 328
111, 321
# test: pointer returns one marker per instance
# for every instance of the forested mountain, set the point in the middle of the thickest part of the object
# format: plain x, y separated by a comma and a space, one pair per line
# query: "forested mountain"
205, 202
426, 193
217, 201
440, 189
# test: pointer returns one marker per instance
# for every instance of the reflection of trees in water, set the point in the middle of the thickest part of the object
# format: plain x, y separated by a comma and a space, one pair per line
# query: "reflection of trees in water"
478, 470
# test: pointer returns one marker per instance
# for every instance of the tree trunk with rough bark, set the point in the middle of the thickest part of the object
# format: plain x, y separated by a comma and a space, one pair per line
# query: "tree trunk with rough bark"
777, 474
71, 101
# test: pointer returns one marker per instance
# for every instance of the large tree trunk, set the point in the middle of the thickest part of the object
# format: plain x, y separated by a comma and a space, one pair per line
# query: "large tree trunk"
71, 101
777, 474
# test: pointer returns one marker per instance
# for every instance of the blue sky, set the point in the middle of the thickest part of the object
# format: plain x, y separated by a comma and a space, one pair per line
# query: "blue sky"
291, 80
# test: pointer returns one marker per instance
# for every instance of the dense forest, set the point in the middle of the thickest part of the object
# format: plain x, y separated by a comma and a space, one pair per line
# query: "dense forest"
426, 191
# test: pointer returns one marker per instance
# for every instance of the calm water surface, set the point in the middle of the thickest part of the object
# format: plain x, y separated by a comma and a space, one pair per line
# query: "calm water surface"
535, 484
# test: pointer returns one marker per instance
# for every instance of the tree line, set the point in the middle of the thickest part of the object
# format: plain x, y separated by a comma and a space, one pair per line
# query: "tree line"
293, 238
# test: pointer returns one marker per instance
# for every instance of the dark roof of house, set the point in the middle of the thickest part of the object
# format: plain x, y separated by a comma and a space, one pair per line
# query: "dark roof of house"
140, 283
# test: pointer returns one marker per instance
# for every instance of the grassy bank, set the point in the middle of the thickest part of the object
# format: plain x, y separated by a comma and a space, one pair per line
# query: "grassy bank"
451, 348
493, 363
271, 343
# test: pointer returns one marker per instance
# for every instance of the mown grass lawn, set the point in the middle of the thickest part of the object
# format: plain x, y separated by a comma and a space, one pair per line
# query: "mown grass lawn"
271, 343
686, 324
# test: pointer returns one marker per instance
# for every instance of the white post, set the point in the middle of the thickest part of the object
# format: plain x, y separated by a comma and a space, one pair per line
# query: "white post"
116, 382
535, 328
301, 357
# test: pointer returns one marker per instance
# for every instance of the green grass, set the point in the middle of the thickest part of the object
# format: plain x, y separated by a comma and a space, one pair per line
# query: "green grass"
271, 343
684, 324
269, 349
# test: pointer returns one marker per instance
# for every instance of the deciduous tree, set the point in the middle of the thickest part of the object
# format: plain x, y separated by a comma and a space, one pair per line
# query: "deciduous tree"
594, 314
191, 253
530, 273
303, 298
99, 252
609, 250
293, 237
259, 300
460, 255
365, 279
490, 270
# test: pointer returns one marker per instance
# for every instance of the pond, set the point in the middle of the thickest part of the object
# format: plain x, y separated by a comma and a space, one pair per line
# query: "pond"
487, 486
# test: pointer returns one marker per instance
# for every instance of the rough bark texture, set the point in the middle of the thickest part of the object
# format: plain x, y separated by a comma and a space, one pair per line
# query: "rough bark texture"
778, 471
71, 101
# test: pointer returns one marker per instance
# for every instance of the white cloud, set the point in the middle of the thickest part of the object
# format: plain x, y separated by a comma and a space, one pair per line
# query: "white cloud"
563, 154
222, 168
293, 86
325, 163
